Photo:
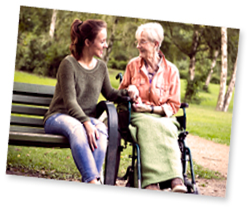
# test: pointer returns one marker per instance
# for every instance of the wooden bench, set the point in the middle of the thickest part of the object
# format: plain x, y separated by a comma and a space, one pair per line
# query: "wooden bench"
29, 104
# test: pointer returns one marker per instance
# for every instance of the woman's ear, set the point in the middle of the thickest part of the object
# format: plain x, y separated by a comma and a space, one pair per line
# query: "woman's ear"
157, 45
87, 42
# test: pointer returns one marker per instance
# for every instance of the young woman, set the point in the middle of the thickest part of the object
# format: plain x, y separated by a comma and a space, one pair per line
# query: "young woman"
80, 79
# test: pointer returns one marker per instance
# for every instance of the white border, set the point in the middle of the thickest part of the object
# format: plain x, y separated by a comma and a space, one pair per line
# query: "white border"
29, 193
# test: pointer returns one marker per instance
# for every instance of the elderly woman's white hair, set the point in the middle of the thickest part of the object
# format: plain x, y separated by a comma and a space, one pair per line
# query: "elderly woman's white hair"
154, 32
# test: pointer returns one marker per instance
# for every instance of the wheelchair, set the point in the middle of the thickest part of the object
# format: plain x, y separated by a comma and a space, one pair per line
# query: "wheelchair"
129, 177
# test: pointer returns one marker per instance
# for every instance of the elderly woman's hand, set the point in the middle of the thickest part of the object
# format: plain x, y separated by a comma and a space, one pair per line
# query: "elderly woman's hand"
140, 107
133, 92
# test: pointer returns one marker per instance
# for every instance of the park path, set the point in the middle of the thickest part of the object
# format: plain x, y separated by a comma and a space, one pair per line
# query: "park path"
213, 156
208, 154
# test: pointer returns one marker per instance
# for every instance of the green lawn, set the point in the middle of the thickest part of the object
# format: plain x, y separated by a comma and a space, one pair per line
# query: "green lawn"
203, 121
34, 79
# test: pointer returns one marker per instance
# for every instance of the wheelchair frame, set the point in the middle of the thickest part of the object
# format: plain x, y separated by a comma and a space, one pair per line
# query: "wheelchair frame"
185, 151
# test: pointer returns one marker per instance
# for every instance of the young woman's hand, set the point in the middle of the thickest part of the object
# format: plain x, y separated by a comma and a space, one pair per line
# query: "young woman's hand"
92, 134
133, 92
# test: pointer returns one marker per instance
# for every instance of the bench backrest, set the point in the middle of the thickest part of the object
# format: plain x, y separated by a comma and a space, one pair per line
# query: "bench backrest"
29, 104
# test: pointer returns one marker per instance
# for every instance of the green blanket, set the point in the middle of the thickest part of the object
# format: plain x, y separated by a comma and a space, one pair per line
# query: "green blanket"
160, 154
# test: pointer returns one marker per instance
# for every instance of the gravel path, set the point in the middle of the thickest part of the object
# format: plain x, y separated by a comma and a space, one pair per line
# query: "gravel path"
214, 157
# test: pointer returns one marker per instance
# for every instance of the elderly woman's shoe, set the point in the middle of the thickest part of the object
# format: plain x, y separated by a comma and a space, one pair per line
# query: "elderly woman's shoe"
178, 186
152, 187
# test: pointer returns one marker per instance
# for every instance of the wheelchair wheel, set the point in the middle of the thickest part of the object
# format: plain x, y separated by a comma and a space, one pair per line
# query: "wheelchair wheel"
191, 188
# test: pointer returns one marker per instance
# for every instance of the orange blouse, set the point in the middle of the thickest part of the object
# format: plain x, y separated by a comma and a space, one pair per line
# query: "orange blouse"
164, 89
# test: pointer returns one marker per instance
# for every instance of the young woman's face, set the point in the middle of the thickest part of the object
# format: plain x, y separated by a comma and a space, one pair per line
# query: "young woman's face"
99, 44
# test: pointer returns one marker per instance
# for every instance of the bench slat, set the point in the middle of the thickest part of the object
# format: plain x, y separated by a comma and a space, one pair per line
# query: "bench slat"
34, 89
26, 121
17, 109
31, 100
37, 140
25, 129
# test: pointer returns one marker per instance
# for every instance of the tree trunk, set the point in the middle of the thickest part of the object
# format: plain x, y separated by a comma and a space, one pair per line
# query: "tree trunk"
192, 67
53, 24
230, 88
110, 42
192, 55
223, 78
216, 53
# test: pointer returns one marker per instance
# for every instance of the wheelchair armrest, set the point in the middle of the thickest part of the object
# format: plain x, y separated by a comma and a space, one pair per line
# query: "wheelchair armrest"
184, 105
113, 152
123, 99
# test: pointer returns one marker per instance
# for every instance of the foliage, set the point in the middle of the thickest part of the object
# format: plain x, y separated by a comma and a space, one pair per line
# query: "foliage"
193, 89
30, 53
39, 54
115, 64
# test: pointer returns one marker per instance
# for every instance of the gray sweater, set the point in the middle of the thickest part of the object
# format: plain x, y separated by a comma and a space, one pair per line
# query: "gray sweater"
78, 89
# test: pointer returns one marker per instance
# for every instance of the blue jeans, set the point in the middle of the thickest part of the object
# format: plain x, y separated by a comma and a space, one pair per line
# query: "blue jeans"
89, 163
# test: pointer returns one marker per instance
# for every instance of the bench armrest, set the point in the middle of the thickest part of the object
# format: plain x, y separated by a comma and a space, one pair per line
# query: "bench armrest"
113, 150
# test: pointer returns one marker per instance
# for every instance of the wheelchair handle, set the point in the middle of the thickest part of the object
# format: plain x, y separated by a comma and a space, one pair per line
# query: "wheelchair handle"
184, 105
119, 76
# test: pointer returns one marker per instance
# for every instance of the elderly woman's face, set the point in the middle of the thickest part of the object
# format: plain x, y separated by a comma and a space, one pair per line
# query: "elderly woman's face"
145, 46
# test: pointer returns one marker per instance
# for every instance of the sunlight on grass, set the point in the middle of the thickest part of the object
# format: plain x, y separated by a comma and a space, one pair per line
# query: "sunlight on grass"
210, 124
33, 79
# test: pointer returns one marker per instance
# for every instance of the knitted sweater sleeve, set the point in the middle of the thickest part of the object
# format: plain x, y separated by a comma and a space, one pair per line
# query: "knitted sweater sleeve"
66, 80
109, 92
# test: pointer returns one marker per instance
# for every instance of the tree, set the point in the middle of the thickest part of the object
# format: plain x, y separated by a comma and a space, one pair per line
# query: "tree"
212, 36
216, 53
192, 54
223, 78
53, 24
230, 88
111, 40
188, 39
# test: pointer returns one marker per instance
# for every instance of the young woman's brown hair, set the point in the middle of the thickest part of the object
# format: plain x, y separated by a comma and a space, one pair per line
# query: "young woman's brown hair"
80, 31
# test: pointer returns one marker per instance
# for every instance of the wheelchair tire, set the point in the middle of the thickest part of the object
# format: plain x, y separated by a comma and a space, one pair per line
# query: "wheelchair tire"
191, 188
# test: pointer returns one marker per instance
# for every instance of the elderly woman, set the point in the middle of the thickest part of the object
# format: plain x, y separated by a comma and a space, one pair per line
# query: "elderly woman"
154, 84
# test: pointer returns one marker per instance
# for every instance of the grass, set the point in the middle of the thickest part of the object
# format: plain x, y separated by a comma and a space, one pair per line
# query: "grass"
33, 79
209, 124
203, 121
49, 163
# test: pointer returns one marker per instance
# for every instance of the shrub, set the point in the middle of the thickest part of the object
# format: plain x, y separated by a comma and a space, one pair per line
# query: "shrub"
39, 55
215, 79
184, 74
114, 64
192, 89
31, 52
